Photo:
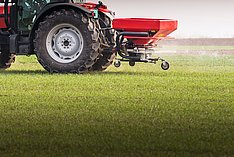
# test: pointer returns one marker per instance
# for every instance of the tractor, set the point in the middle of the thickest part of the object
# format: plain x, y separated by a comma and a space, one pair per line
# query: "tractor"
74, 36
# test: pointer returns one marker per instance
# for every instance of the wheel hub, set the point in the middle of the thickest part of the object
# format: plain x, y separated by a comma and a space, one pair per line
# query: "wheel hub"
64, 43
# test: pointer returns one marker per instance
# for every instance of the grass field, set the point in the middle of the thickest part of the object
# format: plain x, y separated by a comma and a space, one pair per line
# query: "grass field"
138, 111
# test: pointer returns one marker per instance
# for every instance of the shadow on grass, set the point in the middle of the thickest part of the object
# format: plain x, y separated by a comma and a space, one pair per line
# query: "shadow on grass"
110, 73
23, 72
135, 73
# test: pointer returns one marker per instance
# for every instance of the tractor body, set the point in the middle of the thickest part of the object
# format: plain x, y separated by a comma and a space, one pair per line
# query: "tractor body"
73, 36
65, 35
23, 18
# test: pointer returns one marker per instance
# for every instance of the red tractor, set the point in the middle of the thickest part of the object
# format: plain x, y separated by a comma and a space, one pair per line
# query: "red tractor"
70, 36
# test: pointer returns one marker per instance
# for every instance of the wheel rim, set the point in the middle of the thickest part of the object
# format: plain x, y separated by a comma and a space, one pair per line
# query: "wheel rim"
64, 43
165, 65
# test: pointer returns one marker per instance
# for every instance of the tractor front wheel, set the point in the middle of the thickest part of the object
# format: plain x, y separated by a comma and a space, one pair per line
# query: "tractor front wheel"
67, 42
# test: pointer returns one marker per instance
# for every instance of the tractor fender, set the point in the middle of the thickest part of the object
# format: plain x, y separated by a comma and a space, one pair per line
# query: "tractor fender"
48, 9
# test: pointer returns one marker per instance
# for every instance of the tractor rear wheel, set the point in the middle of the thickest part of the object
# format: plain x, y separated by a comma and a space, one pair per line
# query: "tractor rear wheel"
67, 42
107, 54
6, 59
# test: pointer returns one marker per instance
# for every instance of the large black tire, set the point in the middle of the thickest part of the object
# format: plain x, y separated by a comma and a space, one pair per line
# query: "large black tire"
107, 53
6, 59
67, 42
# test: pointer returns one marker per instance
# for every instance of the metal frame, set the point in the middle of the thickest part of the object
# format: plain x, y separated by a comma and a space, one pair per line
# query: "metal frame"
122, 50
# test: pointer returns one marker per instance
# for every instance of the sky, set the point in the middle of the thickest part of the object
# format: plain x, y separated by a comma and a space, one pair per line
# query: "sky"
197, 18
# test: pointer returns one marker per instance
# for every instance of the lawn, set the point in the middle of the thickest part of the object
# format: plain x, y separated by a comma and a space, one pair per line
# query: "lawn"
139, 111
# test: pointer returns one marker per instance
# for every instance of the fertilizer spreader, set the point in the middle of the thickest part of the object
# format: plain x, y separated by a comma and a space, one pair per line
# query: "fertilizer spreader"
136, 38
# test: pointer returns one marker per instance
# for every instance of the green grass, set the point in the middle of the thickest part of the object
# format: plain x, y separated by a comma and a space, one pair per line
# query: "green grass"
138, 111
